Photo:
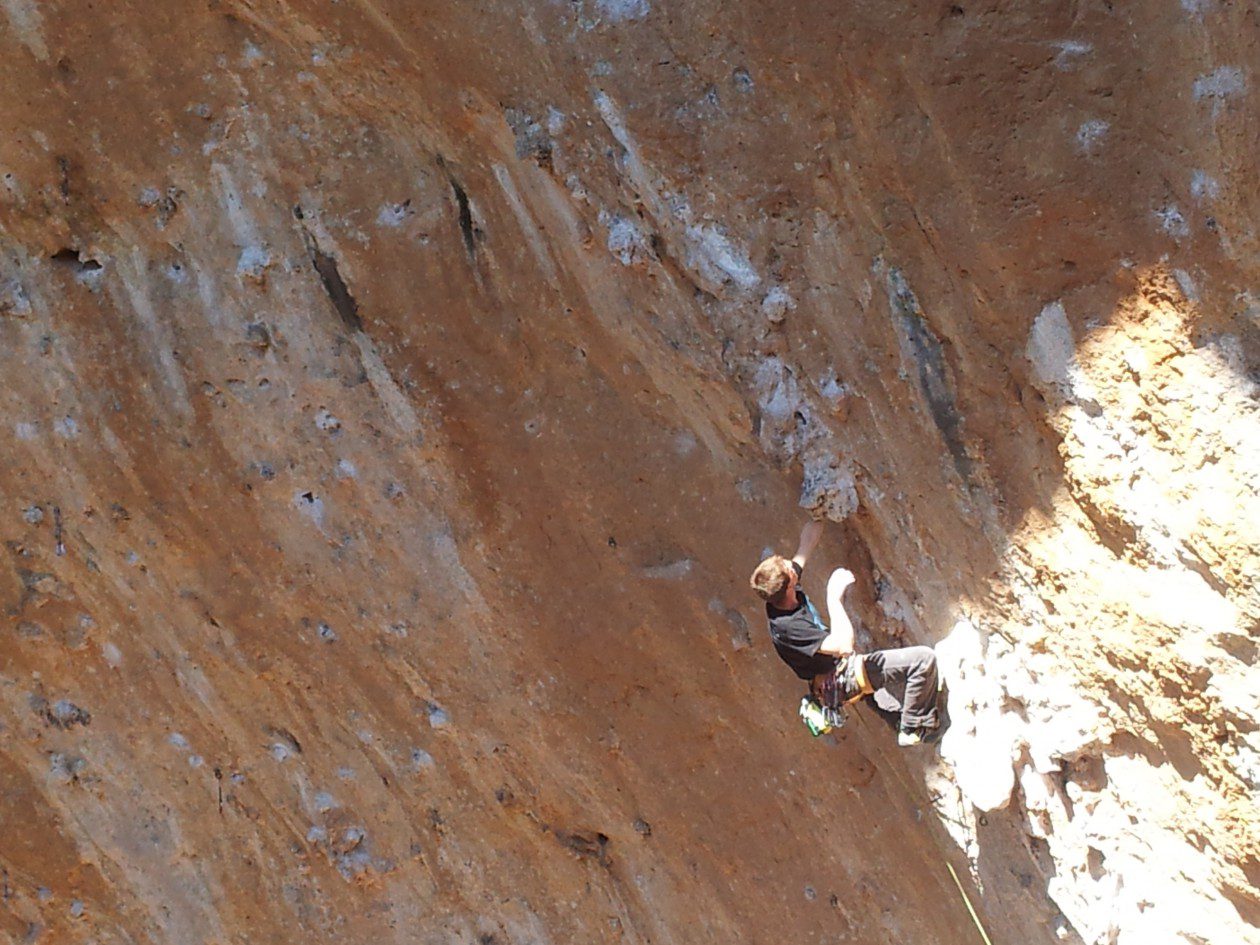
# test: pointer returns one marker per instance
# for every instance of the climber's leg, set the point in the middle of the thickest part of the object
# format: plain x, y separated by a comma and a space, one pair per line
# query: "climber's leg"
905, 680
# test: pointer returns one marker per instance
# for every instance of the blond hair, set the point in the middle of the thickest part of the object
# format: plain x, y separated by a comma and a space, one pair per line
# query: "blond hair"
771, 578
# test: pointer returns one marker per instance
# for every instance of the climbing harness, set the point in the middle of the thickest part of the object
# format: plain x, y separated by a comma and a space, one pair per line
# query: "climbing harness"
823, 709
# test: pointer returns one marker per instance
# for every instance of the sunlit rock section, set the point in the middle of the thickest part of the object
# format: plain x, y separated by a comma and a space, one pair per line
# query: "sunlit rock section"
398, 395
1126, 735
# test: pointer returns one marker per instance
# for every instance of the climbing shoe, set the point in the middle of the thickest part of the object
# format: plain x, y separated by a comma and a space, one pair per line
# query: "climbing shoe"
909, 737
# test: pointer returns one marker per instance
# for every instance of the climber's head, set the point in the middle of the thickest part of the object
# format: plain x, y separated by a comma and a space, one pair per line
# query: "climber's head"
772, 579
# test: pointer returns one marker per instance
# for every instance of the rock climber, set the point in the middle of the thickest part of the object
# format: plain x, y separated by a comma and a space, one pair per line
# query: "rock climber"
899, 680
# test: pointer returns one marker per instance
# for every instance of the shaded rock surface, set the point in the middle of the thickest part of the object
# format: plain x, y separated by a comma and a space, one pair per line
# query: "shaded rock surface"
396, 397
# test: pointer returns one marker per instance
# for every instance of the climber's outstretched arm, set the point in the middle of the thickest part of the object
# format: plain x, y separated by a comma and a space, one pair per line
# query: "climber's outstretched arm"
840, 641
809, 540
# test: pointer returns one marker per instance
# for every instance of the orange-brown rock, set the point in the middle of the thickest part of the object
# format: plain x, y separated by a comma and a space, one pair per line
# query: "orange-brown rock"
396, 397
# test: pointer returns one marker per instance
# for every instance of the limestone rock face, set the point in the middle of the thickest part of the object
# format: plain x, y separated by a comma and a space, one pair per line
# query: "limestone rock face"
397, 395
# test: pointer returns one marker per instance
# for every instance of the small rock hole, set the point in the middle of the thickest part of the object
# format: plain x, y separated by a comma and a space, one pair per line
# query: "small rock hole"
73, 259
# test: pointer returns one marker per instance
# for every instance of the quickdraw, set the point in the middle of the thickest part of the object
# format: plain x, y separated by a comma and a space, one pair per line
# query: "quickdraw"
820, 719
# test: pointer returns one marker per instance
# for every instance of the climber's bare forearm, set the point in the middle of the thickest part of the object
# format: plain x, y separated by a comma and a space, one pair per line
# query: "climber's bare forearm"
839, 642
810, 535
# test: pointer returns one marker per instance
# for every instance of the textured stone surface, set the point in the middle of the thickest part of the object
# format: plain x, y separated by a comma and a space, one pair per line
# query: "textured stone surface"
397, 396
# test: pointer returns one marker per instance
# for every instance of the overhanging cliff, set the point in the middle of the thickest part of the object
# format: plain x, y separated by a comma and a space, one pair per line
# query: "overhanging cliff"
397, 396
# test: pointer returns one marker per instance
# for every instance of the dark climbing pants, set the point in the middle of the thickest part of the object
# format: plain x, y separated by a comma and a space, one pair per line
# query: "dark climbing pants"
905, 682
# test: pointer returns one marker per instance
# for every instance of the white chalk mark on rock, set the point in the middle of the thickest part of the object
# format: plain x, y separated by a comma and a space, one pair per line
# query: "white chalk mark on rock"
671, 571
619, 11
1090, 135
1218, 85
828, 488
625, 238
1052, 349
253, 263
1172, 221
719, 259
310, 505
1070, 50
708, 251
777, 303
1203, 186
1186, 284
394, 214
28, 24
